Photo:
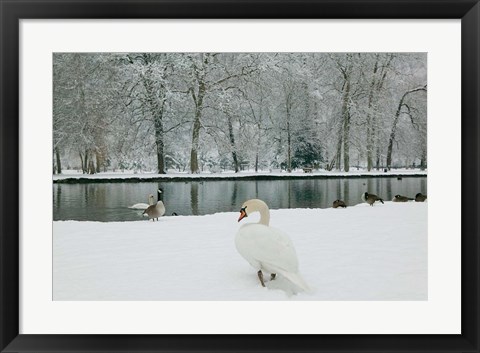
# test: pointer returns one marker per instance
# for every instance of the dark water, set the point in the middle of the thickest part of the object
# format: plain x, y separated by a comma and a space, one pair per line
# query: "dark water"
108, 202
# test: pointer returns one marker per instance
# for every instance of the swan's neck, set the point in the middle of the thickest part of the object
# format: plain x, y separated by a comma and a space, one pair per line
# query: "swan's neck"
264, 216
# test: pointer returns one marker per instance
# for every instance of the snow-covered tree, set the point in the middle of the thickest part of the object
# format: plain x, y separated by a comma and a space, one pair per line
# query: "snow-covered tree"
199, 111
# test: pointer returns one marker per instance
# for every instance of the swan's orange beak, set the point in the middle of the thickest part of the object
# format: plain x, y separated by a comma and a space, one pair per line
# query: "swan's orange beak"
243, 214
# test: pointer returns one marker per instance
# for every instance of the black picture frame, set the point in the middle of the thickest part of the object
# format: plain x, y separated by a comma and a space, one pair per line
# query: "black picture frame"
12, 11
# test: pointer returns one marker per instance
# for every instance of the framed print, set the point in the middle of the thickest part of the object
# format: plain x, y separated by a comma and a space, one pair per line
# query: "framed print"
238, 176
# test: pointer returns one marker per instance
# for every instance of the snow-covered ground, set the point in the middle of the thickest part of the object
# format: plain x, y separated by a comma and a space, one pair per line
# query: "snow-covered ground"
74, 174
357, 253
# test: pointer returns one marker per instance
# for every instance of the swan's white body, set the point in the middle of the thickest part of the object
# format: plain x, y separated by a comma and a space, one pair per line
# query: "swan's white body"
139, 206
266, 248
143, 206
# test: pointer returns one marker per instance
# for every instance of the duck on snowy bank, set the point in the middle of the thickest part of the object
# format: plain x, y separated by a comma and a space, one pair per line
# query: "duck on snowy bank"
420, 197
400, 198
371, 198
266, 248
339, 203
157, 210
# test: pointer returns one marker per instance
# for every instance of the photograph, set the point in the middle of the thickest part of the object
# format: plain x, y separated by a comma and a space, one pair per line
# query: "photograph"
240, 176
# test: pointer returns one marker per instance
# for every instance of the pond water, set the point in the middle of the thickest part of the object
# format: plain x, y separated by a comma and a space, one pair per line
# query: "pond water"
108, 202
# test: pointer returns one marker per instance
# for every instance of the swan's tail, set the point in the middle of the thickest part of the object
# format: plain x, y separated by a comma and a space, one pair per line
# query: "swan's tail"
297, 280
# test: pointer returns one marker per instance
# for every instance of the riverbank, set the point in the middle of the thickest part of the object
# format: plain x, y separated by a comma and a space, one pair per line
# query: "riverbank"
74, 177
341, 255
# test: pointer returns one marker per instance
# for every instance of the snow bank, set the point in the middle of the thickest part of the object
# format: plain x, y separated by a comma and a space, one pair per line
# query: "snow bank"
75, 175
357, 253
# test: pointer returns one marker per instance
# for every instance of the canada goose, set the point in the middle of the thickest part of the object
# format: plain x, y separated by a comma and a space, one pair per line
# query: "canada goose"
143, 206
339, 203
266, 248
400, 198
157, 210
371, 198
420, 197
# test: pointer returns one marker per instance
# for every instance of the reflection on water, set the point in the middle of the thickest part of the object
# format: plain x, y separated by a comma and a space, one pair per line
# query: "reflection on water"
109, 201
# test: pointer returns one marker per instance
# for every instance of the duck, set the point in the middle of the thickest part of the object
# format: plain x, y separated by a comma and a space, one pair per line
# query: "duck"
371, 198
143, 206
266, 248
157, 210
420, 197
400, 198
339, 203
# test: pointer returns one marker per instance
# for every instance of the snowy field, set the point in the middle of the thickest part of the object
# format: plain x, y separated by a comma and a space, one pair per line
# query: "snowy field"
74, 174
357, 253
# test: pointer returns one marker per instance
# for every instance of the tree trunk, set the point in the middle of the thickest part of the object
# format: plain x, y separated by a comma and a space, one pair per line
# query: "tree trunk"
159, 133
346, 126
160, 145
59, 164
423, 160
232, 144
392, 136
196, 128
372, 129
346, 144
369, 143
99, 158
81, 162
85, 162
288, 110
259, 129
370, 125
338, 154
289, 148
156, 104
394, 124
377, 161
195, 139
91, 167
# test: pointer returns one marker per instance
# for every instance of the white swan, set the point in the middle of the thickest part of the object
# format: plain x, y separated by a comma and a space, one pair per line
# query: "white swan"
143, 206
157, 210
266, 248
